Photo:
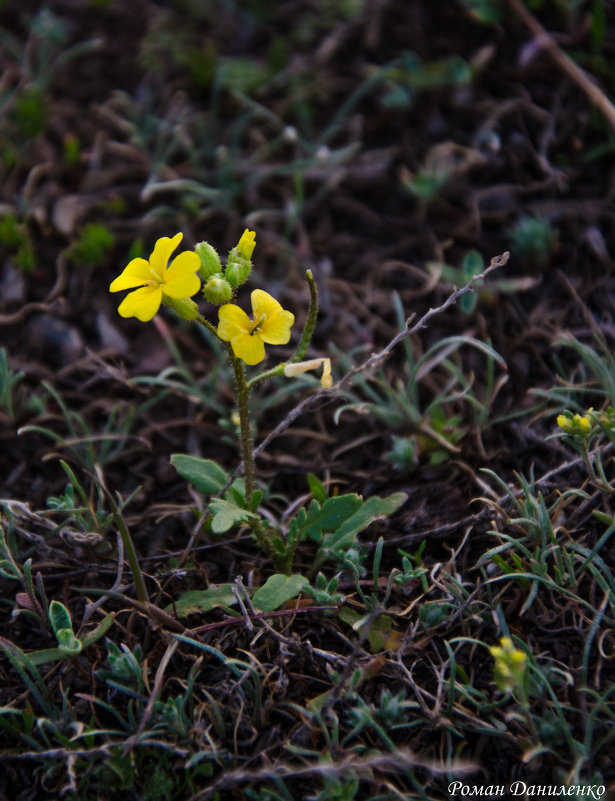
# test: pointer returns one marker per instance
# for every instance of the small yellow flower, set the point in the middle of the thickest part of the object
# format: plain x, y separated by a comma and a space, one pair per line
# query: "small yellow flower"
270, 324
510, 662
583, 423
575, 423
155, 279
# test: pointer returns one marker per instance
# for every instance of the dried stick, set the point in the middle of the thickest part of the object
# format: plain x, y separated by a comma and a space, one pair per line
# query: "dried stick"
376, 359
563, 60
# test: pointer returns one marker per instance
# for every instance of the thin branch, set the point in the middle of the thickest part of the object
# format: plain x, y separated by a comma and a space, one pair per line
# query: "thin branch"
400, 761
377, 359
595, 94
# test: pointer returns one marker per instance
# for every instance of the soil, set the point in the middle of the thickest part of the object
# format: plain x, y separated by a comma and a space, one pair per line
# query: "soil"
322, 129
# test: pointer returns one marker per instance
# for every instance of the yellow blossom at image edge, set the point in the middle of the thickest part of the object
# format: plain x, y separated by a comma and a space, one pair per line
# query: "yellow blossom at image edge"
270, 324
152, 279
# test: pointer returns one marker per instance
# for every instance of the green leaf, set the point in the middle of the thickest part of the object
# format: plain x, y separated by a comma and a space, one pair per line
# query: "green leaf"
317, 488
67, 642
225, 515
204, 474
59, 617
318, 519
54, 654
257, 497
372, 508
203, 600
277, 590
473, 264
100, 630
236, 493
9, 570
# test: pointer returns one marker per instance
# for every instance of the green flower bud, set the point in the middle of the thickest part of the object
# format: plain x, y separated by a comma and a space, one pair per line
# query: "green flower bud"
218, 290
185, 307
238, 268
210, 261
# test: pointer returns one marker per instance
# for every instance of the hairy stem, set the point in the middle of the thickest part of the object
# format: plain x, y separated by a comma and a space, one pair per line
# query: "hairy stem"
243, 407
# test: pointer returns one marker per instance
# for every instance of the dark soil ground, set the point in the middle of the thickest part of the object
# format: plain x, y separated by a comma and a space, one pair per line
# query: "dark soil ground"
375, 143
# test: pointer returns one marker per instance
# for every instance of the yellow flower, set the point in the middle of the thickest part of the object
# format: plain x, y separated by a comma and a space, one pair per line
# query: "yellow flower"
270, 324
155, 279
509, 666
583, 423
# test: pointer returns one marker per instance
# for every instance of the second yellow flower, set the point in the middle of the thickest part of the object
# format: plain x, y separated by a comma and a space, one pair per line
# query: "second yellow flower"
270, 324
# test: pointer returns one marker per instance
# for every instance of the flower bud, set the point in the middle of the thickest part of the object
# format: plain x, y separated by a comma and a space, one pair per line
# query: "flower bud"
238, 269
575, 423
210, 261
294, 369
245, 246
217, 290
185, 307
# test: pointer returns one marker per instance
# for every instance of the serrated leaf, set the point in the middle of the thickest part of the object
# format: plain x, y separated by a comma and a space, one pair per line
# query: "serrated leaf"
204, 474
203, 600
59, 617
371, 509
328, 517
225, 515
277, 590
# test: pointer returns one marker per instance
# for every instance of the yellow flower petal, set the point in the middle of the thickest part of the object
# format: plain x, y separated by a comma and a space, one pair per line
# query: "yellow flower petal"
248, 347
162, 253
233, 321
327, 379
181, 279
264, 304
276, 321
275, 330
136, 273
142, 303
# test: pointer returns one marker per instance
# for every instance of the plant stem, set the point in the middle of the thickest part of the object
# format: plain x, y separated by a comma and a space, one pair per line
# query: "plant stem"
247, 448
277, 370
310, 322
209, 326
131, 553
243, 407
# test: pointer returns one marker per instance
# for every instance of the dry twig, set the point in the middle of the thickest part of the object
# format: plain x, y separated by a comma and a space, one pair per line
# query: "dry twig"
595, 94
